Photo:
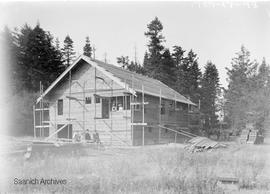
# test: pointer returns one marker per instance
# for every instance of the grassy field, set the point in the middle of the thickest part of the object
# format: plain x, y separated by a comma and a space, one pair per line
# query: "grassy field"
153, 169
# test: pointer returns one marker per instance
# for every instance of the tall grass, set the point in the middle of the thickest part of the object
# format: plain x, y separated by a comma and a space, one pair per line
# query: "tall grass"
143, 170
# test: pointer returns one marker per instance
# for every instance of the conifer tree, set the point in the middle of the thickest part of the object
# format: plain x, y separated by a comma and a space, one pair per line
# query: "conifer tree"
57, 44
22, 40
189, 77
87, 49
59, 53
123, 61
167, 69
179, 58
258, 95
130, 65
240, 78
68, 51
155, 47
146, 61
41, 59
209, 95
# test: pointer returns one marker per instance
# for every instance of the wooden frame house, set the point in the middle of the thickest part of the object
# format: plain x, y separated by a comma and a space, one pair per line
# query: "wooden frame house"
122, 106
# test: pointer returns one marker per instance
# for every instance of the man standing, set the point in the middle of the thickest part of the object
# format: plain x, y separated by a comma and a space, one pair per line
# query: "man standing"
87, 136
96, 137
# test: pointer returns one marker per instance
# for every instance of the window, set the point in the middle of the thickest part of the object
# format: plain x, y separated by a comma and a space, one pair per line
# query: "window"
179, 106
171, 105
137, 107
105, 108
120, 103
162, 109
127, 103
88, 100
60, 107
97, 99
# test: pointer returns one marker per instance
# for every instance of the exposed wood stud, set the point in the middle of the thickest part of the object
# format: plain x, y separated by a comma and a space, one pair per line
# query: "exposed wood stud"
143, 115
159, 116
132, 111
34, 118
84, 105
69, 103
95, 87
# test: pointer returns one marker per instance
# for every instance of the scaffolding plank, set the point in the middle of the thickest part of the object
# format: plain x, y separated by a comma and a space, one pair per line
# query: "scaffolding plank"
71, 119
40, 109
74, 98
138, 103
42, 126
138, 124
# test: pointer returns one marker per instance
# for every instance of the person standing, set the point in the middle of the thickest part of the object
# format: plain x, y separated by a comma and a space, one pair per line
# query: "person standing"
96, 137
87, 136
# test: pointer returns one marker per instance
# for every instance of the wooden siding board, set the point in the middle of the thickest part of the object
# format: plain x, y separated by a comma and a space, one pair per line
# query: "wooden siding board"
85, 74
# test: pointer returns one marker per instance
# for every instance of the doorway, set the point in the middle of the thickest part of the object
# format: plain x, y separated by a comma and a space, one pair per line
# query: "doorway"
65, 133
105, 108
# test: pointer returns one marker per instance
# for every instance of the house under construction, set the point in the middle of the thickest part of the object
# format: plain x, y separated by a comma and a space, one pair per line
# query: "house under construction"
122, 106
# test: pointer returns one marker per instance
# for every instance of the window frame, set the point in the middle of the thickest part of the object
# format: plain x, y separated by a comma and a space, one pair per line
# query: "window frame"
60, 107
88, 100
97, 100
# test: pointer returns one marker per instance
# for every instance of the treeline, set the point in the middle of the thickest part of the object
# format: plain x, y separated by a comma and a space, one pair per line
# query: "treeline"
247, 98
180, 70
33, 55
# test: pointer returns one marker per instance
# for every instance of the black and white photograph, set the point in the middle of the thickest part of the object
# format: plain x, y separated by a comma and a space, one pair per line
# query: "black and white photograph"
135, 97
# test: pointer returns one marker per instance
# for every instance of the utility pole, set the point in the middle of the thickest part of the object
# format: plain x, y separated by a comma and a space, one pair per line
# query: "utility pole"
135, 54
105, 57
94, 52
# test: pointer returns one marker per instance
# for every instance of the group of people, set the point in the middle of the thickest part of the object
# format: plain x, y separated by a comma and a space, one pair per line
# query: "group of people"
77, 137
87, 136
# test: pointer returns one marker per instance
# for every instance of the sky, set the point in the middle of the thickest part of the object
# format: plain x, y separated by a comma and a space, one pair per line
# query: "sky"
214, 31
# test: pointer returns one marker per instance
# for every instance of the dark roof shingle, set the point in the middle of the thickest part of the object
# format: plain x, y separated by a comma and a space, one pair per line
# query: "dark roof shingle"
137, 81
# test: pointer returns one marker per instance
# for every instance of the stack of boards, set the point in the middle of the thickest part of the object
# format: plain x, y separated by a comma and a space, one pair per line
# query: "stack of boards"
250, 136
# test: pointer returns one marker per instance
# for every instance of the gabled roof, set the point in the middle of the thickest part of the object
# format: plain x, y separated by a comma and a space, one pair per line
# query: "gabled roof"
131, 81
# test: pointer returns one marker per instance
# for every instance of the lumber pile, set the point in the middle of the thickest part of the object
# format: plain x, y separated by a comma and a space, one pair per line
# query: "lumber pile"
201, 144
250, 135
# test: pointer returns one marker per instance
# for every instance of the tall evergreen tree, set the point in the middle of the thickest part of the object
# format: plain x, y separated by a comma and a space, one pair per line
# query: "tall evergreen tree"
155, 47
87, 49
146, 61
191, 76
178, 55
179, 58
59, 52
57, 44
41, 59
68, 51
209, 95
130, 65
22, 41
32, 58
258, 95
240, 78
167, 69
